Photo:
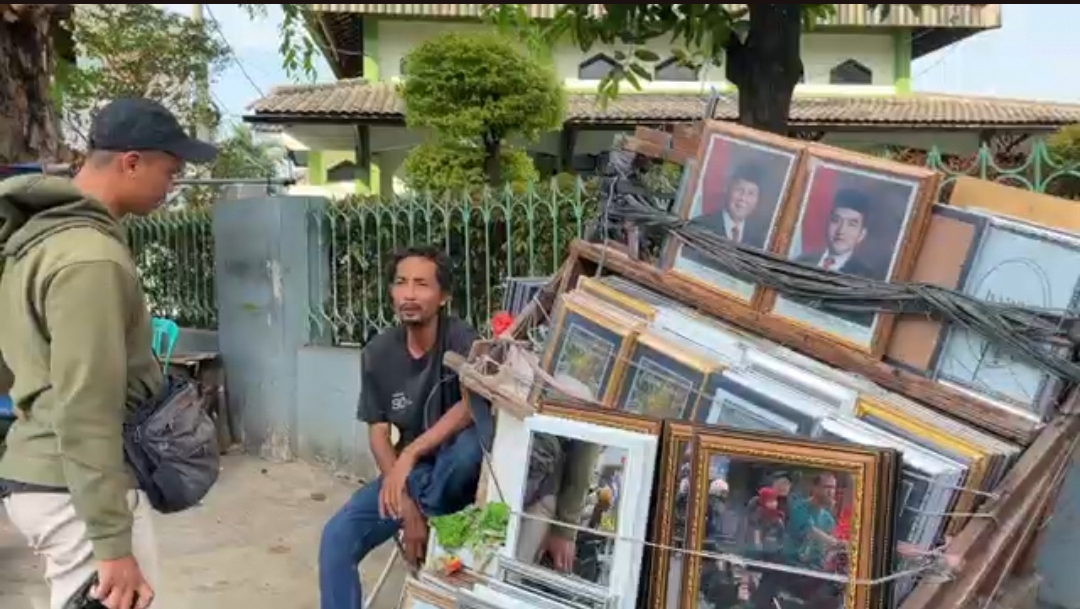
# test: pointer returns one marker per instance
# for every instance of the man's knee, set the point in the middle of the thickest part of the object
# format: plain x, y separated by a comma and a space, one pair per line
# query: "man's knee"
346, 543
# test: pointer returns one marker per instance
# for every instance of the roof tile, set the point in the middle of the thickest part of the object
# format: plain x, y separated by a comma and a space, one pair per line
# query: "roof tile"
359, 100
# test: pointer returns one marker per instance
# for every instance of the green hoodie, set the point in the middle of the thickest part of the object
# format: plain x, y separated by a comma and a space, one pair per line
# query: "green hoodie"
75, 332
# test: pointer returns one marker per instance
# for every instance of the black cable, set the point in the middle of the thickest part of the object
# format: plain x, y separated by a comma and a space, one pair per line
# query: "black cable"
1024, 332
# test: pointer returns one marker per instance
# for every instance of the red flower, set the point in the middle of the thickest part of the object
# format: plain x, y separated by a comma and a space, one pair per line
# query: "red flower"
501, 322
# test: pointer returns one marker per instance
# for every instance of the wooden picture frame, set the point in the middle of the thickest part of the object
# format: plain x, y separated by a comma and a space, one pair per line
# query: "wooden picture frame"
667, 377
597, 287
923, 434
1021, 263
840, 197
416, 594
601, 336
753, 403
864, 476
945, 259
667, 567
632, 502
756, 173
929, 486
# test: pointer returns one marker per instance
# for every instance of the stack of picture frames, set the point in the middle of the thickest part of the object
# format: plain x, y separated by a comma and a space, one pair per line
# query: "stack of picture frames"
876, 219
620, 355
674, 449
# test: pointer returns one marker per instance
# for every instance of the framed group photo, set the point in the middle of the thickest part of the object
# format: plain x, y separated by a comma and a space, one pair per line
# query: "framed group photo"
738, 190
854, 215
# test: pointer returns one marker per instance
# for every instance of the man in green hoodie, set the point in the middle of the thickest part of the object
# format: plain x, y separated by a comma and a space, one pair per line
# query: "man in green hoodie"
76, 336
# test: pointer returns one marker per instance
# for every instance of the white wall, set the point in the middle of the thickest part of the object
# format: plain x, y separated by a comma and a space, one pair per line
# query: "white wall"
820, 52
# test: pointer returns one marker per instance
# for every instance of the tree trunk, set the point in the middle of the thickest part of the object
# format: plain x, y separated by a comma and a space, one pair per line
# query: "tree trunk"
493, 159
28, 122
767, 66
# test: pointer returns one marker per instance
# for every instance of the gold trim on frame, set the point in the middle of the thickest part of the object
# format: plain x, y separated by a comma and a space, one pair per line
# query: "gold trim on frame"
690, 357
980, 459
621, 323
677, 438
608, 418
863, 465
598, 289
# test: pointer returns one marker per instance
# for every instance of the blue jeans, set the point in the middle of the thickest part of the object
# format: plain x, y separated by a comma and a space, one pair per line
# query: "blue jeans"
443, 485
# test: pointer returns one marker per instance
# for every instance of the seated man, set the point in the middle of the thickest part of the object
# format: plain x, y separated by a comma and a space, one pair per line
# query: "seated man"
434, 467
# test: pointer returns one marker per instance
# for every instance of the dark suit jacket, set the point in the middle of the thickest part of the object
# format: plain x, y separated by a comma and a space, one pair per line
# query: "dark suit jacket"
853, 266
754, 233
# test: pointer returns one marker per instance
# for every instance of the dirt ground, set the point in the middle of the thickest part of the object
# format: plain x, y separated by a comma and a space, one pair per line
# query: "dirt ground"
253, 543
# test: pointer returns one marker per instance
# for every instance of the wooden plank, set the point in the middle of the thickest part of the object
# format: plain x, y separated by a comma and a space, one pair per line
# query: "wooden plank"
1019, 203
500, 397
919, 388
1003, 564
984, 565
1026, 475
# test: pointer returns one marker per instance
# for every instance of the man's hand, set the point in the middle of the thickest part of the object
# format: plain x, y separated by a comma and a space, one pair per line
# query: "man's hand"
414, 532
392, 494
561, 551
121, 585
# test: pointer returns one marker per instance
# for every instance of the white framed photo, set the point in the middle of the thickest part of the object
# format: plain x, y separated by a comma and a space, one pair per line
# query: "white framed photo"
591, 477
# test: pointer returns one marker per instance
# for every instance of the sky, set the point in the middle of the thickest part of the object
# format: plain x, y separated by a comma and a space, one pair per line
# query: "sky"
1029, 57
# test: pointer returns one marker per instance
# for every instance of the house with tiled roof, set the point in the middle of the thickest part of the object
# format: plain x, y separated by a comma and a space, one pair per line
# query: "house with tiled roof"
856, 91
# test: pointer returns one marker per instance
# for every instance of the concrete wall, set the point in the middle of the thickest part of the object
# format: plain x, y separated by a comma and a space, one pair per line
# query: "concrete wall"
289, 397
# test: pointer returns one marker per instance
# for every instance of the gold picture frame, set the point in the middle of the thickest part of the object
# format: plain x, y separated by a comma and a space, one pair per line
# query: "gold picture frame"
600, 289
666, 372
866, 479
860, 182
583, 318
676, 449
979, 461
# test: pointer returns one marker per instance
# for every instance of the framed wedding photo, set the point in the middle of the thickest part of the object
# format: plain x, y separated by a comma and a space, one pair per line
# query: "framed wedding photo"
854, 215
738, 190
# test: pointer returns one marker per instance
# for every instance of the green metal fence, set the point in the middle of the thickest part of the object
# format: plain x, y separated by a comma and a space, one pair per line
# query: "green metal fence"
1036, 170
490, 236
174, 251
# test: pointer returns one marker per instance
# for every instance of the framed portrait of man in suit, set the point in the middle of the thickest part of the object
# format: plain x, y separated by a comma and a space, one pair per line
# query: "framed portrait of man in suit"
854, 215
737, 190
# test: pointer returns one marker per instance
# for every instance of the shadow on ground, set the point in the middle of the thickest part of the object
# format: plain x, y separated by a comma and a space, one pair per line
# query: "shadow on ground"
253, 543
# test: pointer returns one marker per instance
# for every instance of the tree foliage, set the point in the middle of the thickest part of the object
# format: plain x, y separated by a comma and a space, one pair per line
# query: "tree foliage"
476, 91
758, 44
440, 166
137, 50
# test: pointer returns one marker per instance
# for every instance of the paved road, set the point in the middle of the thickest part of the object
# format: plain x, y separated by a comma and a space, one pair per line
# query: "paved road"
252, 544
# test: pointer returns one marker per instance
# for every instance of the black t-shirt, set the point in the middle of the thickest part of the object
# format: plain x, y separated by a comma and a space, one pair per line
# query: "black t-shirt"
411, 394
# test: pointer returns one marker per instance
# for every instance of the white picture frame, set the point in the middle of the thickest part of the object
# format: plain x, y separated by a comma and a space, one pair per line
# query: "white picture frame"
634, 497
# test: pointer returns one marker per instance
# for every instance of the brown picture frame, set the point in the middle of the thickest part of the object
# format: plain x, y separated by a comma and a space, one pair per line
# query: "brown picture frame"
909, 234
621, 330
768, 143
678, 438
873, 471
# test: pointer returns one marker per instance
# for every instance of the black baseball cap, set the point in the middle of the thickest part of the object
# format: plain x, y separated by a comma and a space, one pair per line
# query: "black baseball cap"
138, 124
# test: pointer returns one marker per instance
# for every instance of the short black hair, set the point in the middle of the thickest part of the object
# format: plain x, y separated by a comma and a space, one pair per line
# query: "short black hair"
855, 200
444, 271
748, 172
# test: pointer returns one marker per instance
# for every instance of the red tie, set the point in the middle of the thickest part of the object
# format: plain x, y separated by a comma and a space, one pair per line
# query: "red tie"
735, 234
829, 263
